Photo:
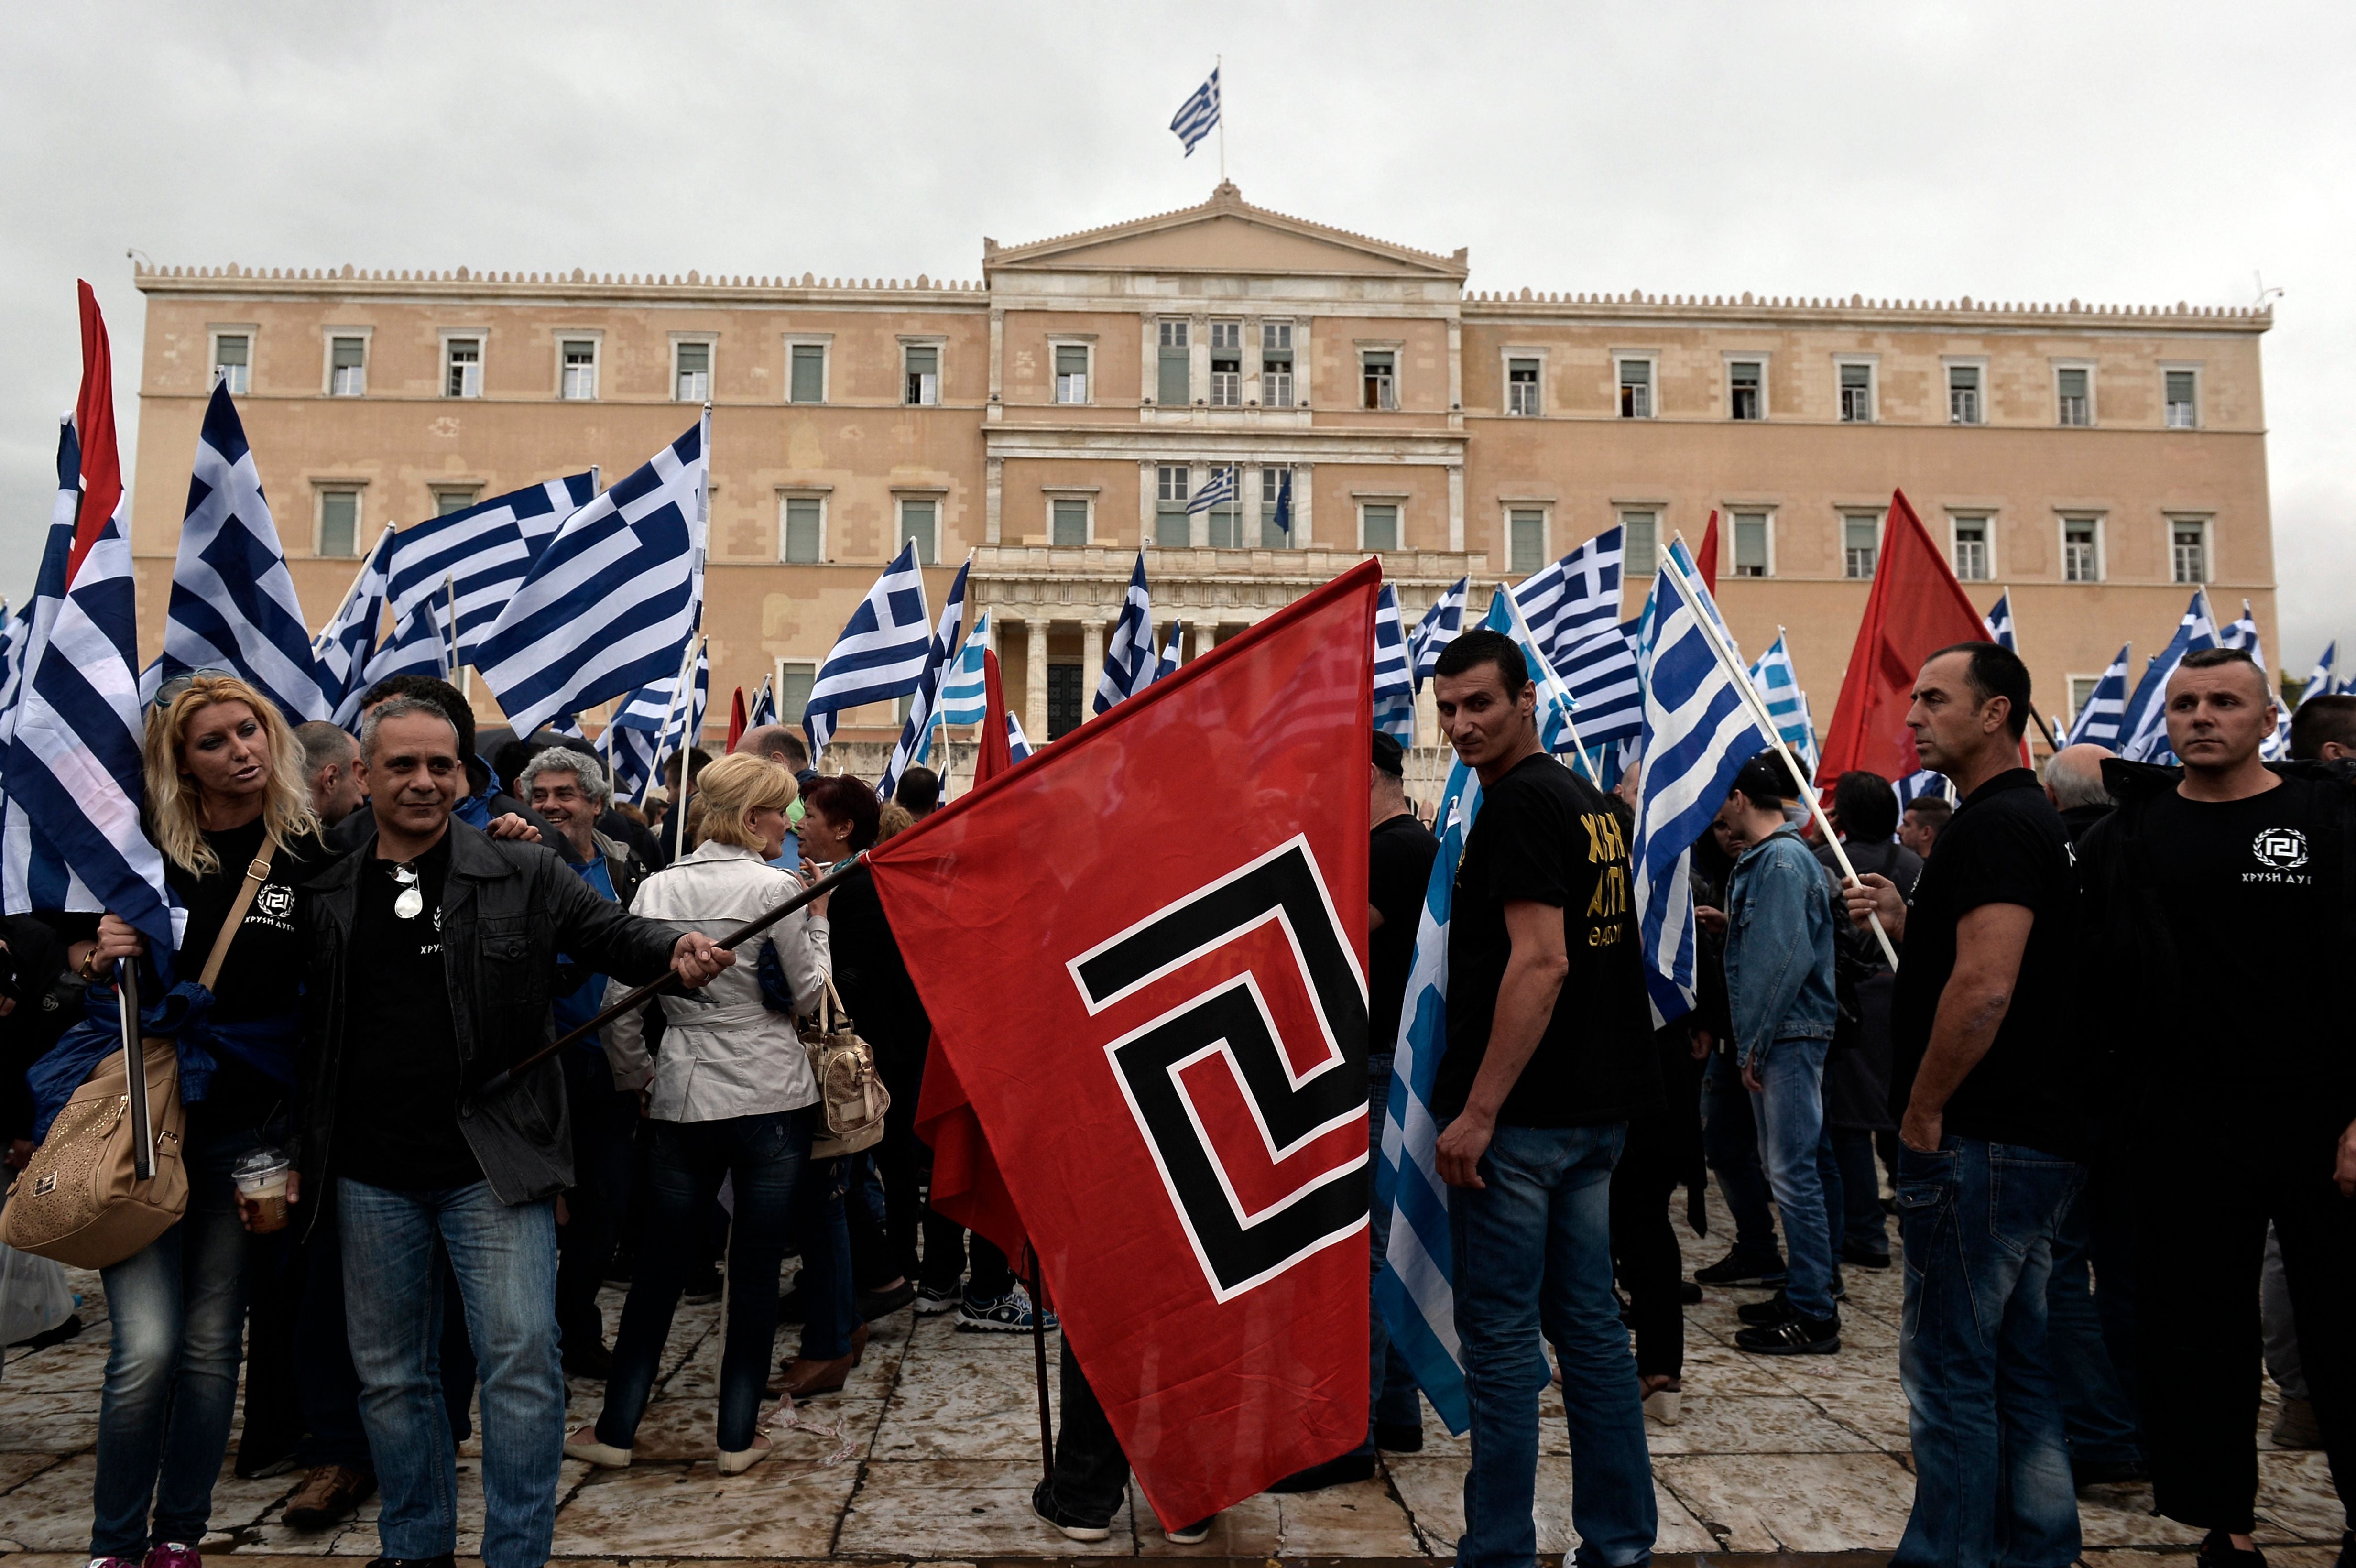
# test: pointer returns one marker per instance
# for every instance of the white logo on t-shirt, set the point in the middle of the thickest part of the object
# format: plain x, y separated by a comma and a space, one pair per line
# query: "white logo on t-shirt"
2280, 848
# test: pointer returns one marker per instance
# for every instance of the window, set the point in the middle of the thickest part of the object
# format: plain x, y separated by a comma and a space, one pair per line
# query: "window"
1522, 387
692, 373
1750, 544
1642, 532
1276, 363
1635, 389
462, 368
1860, 543
1067, 520
1856, 394
1226, 364
347, 367
1271, 486
922, 363
2082, 550
1378, 526
805, 373
918, 521
1071, 372
1963, 395
339, 522
2188, 549
1177, 380
449, 498
2073, 402
1378, 368
1746, 389
1971, 550
1524, 540
2082, 692
1171, 529
232, 356
1064, 685
2183, 403
580, 378
795, 678
804, 522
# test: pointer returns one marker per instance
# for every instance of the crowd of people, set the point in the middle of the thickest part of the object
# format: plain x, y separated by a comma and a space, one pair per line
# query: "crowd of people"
2105, 1054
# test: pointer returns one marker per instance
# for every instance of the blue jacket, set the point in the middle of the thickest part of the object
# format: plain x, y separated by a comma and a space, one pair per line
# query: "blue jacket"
1779, 946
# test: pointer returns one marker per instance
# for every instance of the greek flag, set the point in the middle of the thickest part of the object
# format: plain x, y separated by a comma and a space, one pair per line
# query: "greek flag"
422, 644
764, 706
13, 631
1415, 1289
612, 599
1779, 683
1394, 682
1569, 603
233, 604
483, 552
1198, 114
916, 734
2097, 721
880, 656
1556, 731
1173, 651
2143, 732
1219, 490
29, 635
1018, 744
1129, 653
1698, 731
1920, 783
1605, 683
2319, 683
341, 652
963, 699
1441, 626
1998, 621
2244, 635
654, 726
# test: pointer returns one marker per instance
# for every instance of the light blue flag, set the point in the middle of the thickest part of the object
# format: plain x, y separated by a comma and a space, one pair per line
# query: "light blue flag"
963, 700
1779, 683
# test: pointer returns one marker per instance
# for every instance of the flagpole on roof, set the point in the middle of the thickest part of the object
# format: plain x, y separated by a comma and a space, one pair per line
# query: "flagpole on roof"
1219, 70
1554, 686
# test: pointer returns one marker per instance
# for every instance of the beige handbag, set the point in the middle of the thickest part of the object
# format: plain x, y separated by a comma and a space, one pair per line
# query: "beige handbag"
854, 1098
80, 1199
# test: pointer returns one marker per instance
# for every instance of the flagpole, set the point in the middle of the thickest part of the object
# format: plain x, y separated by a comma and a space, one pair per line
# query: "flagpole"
1758, 704
680, 693
1219, 70
355, 588
671, 708
1553, 683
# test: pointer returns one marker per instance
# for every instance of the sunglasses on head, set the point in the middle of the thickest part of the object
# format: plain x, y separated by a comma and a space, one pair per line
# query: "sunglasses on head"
177, 687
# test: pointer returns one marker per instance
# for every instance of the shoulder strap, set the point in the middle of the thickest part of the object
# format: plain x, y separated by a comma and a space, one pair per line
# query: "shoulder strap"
256, 873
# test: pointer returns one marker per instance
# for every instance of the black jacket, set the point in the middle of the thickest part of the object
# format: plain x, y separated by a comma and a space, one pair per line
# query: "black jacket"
507, 910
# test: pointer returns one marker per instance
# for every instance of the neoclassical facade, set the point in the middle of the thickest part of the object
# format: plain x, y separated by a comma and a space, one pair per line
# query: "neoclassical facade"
1071, 406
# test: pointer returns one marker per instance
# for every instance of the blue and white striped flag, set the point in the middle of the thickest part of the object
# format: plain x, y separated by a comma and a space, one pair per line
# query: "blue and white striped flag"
654, 726
2319, 683
1218, 490
422, 644
1998, 621
1569, 601
612, 599
1603, 678
764, 709
2244, 635
233, 604
964, 699
484, 553
1557, 731
341, 651
14, 630
1779, 683
1129, 652
2143, 732
1441, 624
881, 655
1920, 783
1018, 744
916, 734
1173, 652
1198, 114
1394, 689
2099, 717
1415, 1289
18, 863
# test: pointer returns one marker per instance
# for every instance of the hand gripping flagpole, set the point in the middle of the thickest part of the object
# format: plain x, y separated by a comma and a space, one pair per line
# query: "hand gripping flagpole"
1758, 704
1553, 682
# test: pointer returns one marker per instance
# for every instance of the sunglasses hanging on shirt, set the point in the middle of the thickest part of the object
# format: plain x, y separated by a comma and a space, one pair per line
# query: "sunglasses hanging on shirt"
411, 903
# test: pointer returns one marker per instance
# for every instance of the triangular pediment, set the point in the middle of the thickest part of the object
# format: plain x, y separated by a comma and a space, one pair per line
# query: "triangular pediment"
1225, 235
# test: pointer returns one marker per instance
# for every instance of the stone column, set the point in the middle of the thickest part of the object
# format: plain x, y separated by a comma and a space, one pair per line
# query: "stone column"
993, 499
1455, 506
1092, 642
1034, 677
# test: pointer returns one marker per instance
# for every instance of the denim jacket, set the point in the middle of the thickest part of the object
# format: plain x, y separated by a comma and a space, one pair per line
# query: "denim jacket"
1779, 946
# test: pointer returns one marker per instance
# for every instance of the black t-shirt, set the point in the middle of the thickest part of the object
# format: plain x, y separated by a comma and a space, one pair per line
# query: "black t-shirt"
2005, 845
1399, 873
400, 1077
2247, 900
1547, 835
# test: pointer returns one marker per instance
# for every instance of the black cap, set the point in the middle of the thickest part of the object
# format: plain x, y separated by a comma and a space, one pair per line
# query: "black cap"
1389, 755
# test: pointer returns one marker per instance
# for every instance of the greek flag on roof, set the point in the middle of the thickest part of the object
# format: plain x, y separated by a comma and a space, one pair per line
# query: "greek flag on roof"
1441, 626
917, 735
1779, 683
1129, 652
612, 601
484, 552
963, 699
1578, 596
1998, 621
1394, 683
1173, 652
2319, 683
1218, 490
764, 704
342, 651
1197, 114
881, 652
233, 604
2097, 723
1415, 1289
1697, 732
2143, 732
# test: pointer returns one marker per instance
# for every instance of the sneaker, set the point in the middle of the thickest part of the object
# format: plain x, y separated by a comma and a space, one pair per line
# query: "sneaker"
1776, 1309
328, 1495
1010, 1314
172, 1554
931, 1302
2218, 1550
1192, 1534
1793, 1337
2296, 1428
1864, 1257
1074, 1528
1736, 1269
703, 1288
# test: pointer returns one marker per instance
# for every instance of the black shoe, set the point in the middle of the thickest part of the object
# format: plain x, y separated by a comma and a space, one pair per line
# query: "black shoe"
1736, 1269
1793, 1337
2084, 1473
445, 1561
2218, 1550
1338, 1472
1852, 1252
1776, 1309
1400, 1438
590, 1359
47, 1336
874, 1304
1689, 1291
1044, 1504
703, 1288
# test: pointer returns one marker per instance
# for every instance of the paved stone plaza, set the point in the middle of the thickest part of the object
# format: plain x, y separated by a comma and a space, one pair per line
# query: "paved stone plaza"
939, 1447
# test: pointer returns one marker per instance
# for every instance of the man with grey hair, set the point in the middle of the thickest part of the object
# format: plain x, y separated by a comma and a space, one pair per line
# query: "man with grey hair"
2073, 782
330, 759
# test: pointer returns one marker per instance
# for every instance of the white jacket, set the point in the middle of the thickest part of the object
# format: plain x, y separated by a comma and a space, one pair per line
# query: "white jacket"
723, 1052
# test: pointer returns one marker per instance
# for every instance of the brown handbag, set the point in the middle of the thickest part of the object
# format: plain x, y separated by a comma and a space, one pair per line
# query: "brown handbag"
80, 1199
854, 1098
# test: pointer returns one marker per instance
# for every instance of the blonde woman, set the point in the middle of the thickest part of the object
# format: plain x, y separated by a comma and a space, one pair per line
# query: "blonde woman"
732, 1095
225, 781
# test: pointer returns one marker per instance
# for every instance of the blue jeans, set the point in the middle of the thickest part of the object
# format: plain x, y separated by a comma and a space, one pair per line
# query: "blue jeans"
1797, 1151
1858, 1215
1532, 1253
1991, 1466
504, 1258
178, 1311
1730, 1141
765, 1156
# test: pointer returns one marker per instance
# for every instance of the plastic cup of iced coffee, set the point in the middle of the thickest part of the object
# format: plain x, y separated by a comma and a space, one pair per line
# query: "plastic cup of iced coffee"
261, 1180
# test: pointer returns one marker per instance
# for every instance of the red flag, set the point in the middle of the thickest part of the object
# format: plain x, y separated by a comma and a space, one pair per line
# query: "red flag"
1707, 559
736, 718
101, 464
1159, 1012
1916, 607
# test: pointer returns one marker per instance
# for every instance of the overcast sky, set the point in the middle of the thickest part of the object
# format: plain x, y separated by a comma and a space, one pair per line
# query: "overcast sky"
2137, 154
